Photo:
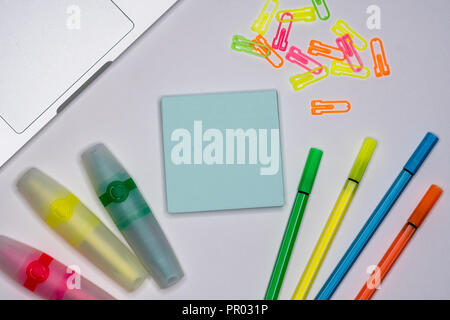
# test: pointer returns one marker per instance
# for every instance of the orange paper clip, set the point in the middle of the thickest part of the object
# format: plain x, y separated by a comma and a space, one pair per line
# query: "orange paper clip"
319, 107
295, 55
280, 41
380, 65
317, 48
262, 50
345, 43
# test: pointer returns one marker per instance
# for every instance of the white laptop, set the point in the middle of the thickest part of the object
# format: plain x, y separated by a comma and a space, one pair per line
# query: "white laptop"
51, 49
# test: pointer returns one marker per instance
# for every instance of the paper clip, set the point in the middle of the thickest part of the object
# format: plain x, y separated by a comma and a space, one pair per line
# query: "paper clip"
242, 44
301, 81
319, 107
342, 28
380, 66
296, 56
339, 68
306, 14
317, 48
261, 40
321, 4
262, 23
280, 41
345, 43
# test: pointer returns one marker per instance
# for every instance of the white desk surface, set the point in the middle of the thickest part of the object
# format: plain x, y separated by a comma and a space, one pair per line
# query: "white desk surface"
230, 255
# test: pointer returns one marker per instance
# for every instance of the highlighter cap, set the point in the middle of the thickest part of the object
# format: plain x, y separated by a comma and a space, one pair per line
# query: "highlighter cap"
13, 255
114, 186
102, 167
40, 191
425, 205
310, 170
364, 156
421, 153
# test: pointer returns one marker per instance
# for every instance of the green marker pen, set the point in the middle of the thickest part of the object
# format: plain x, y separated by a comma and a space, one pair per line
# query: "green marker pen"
290, 234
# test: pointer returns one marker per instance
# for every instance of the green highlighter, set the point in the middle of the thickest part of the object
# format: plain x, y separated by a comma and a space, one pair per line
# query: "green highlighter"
290, 234
121, 198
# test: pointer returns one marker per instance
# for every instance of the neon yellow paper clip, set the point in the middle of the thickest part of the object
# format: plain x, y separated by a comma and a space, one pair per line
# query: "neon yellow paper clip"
342, 28
340, 68
242, 44
303, 80
306, 14
262, 23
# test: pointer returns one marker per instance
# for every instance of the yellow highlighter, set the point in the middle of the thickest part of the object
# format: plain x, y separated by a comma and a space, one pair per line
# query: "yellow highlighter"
343, 202
72, 220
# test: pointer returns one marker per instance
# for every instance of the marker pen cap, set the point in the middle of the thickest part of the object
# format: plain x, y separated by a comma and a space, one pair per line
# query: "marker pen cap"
43, 275
122, 199
425, 205
421, 153
310, 171
364, 156
71, 219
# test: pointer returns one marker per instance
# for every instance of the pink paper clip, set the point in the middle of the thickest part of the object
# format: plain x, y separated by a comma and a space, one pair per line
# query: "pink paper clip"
345, 43
296, 56
280, 41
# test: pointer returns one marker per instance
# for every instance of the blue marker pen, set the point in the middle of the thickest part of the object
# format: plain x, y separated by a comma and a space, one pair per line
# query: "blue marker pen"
383, 208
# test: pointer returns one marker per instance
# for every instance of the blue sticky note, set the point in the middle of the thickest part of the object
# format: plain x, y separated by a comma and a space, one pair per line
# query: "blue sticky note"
222, 151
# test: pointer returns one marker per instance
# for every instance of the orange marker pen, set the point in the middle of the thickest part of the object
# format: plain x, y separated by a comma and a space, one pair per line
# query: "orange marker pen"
400, 242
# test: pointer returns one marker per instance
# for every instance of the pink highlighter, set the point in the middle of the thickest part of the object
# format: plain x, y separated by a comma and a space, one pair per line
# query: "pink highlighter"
45, 276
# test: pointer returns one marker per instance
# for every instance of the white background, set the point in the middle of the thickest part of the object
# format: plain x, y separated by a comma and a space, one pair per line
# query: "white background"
230, 255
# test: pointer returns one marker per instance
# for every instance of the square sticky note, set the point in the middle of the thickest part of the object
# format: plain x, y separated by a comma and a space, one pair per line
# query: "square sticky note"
222, 151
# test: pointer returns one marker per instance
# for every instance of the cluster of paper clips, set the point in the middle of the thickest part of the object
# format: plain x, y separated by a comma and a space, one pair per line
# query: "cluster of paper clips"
345, 57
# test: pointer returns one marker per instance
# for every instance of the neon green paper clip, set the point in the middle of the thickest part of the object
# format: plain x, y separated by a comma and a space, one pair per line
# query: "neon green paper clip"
262, 23
242, 44
306, 14
342, 28
322, 9
303, 80
340, 68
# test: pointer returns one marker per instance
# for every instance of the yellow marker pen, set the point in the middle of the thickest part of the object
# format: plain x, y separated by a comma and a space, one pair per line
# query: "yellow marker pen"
71, 219
343, 202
